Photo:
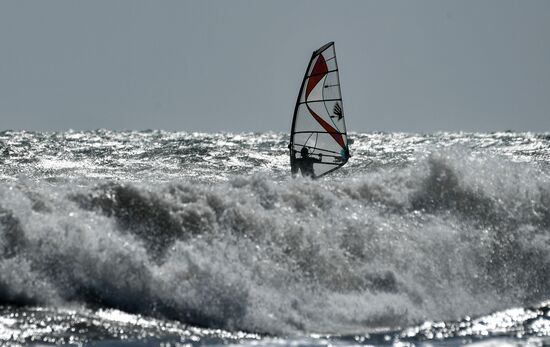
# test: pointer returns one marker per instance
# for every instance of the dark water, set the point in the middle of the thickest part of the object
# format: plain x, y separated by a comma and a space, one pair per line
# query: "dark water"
159, 238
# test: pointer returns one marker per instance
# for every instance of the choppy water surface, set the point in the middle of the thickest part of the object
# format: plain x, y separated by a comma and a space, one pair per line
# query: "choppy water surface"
162, 238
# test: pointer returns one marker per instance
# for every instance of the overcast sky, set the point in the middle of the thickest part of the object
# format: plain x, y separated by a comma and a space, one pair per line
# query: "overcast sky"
417, 66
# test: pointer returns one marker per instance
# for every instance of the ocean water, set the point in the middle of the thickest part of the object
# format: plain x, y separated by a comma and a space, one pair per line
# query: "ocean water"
203, 239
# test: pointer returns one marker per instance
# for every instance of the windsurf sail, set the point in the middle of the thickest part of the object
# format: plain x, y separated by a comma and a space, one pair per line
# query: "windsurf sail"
318, 138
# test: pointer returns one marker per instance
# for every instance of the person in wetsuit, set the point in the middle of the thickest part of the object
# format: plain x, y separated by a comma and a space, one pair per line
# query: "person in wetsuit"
305, 163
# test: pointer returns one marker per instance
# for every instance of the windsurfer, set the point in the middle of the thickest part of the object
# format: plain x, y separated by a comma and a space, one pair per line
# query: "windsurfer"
305, 163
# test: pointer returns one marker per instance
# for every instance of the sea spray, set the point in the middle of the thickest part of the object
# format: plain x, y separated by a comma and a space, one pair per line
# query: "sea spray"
435, 233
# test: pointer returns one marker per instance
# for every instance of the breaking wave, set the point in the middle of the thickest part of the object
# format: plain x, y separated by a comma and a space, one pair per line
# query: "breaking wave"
451, 235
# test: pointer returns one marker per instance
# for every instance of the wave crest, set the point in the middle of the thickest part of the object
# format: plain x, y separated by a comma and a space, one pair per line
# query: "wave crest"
454, 234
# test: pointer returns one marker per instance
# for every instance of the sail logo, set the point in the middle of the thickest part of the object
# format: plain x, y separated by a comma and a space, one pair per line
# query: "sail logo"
337, 110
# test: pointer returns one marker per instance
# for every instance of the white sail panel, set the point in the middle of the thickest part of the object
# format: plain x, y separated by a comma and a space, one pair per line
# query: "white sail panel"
316, 93
307, 124
327, 88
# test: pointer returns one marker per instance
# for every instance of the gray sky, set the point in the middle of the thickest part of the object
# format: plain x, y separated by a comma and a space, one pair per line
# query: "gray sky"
419, 66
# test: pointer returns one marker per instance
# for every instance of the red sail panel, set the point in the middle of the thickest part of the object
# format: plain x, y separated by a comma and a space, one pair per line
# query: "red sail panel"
319, 71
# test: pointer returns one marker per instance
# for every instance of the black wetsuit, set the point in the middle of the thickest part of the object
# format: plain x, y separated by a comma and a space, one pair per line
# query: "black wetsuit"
305, 165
